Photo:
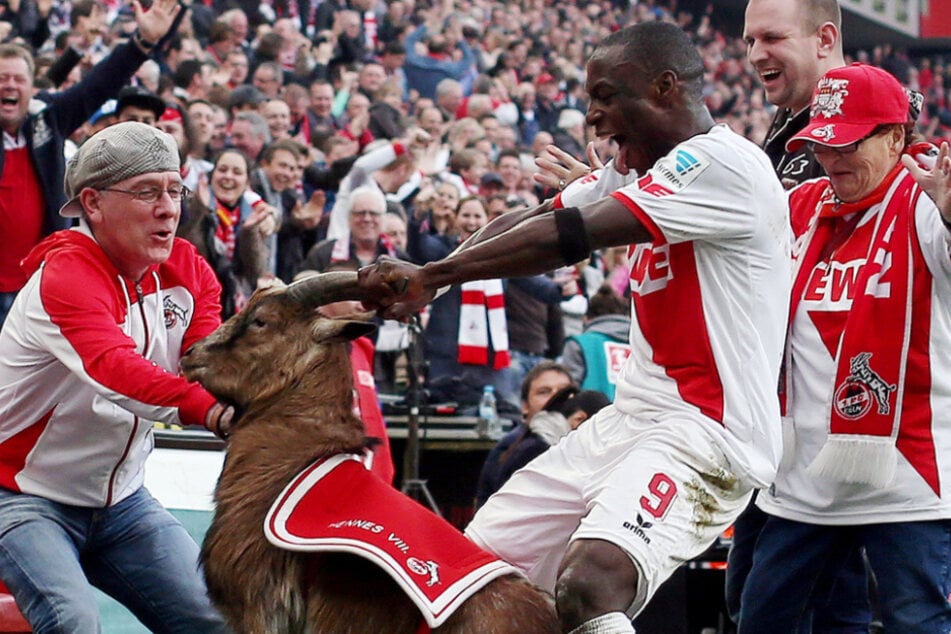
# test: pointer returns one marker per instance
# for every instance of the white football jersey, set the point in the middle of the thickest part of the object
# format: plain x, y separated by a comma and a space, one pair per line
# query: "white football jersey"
598, 184
710, 296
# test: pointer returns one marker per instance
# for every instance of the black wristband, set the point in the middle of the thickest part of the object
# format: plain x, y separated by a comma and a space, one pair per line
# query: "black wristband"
572, 236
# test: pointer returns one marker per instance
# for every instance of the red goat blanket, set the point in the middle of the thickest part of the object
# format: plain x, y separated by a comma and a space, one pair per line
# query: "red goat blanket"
336, 505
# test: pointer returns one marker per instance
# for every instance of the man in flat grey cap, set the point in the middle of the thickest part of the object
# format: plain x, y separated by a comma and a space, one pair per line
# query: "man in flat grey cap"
88, 359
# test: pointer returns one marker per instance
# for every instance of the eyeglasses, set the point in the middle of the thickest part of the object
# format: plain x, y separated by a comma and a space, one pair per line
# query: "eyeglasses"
151, 195
851, 148
365, 212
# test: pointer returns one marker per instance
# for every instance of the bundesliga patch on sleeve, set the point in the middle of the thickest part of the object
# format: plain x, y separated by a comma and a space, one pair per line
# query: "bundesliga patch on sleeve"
677, 171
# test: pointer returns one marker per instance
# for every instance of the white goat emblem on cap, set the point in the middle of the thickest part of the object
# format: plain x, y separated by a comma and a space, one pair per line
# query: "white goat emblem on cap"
826, 133
830, 95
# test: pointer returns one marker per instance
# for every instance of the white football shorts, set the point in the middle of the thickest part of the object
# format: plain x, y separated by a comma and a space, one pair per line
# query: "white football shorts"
660, 491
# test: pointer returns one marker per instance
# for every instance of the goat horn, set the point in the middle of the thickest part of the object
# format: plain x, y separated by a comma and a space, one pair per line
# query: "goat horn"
327, 288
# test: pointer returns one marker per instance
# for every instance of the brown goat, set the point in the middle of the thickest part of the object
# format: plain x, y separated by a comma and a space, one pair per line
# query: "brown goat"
285, 368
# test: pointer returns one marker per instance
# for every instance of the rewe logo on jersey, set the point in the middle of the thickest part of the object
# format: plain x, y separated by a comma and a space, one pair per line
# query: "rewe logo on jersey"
648, 186
590, 178
833, 283
650, 268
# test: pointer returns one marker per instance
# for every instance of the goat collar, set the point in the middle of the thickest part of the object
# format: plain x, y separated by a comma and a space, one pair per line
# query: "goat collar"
336, 505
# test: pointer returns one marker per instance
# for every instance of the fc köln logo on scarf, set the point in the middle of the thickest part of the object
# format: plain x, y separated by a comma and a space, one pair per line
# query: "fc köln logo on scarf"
854, 398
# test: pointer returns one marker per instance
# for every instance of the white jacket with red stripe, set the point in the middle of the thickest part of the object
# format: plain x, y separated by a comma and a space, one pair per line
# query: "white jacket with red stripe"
89, 360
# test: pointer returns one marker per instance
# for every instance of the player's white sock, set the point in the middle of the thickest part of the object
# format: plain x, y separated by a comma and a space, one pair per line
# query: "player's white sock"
610, 623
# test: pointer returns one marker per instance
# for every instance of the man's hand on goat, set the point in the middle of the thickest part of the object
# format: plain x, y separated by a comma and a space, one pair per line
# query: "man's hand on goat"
396, 287
220, 420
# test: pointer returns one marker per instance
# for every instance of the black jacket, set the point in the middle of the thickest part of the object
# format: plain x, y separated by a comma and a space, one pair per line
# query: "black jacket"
53, 117
791, 167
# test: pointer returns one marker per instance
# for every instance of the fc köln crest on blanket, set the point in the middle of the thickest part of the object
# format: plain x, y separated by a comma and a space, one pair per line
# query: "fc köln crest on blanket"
854, 397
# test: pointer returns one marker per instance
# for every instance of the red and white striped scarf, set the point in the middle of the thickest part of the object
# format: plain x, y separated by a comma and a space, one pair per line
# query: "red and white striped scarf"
481, 317
867, 406
370, 29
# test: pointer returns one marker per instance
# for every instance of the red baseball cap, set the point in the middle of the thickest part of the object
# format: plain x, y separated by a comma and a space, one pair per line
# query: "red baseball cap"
849, 103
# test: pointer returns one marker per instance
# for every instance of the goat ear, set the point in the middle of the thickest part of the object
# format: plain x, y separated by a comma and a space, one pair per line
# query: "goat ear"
330, 330
355, 329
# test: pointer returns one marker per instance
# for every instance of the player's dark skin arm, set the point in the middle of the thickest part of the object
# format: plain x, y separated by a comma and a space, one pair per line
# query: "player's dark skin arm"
506, 221
528, 246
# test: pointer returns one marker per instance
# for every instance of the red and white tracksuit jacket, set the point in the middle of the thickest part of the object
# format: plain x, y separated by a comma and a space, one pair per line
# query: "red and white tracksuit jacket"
89, 359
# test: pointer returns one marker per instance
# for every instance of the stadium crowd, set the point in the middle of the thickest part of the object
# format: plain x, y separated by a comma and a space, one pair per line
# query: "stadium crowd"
353, 135
282, 110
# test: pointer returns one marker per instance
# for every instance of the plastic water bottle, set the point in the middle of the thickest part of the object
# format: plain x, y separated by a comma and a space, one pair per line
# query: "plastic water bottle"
489, 426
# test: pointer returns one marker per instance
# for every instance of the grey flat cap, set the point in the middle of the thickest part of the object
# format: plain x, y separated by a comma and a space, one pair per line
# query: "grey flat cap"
114, 154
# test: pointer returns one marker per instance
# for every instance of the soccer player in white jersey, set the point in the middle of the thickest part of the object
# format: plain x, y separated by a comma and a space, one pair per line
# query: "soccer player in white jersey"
648, 483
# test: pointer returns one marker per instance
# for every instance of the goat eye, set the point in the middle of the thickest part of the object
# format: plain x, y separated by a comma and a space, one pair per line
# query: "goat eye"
259, 323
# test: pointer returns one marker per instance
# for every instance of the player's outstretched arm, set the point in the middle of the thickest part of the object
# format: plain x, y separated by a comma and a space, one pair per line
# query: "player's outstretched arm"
537, 243
505, 222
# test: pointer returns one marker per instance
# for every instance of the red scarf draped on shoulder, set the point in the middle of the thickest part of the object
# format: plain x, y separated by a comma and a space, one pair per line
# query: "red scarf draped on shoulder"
866, 408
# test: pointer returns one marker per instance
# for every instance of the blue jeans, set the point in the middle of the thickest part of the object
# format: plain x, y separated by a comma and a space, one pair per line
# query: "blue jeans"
134, 551
839, 603
911, 562
6, 301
